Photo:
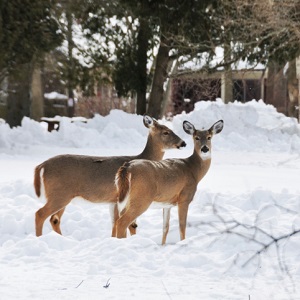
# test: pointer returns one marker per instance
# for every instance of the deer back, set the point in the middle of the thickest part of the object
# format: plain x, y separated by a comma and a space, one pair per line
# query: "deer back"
92, 177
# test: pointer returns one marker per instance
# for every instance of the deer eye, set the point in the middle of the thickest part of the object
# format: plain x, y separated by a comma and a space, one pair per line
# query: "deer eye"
197, 138
165, 132
209, 138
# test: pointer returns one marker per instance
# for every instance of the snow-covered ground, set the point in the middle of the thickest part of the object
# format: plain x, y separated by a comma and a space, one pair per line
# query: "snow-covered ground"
251, 192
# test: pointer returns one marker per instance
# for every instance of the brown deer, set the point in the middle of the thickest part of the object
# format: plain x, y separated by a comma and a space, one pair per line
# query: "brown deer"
64, 177
168, 182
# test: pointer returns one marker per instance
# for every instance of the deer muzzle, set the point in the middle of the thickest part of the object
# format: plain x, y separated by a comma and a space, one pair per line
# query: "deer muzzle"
182, 144
204, 149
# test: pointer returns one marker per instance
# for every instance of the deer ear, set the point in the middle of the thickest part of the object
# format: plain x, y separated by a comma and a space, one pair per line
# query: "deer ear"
188, 127
217, 127
148, 121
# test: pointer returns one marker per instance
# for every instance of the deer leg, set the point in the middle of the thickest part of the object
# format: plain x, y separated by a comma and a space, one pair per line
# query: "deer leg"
122, 224
182, 216
166, 223
41, 215
55, 220
114, 215
132, 228
114, 230
128, 216
52, 207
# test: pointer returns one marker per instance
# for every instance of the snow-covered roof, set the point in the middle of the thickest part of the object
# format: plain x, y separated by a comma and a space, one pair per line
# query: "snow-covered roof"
198, 64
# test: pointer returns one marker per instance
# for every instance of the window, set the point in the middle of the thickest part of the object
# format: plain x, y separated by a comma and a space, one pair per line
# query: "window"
246, 90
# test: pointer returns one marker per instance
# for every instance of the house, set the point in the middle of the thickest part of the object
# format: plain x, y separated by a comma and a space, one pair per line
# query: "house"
275, 85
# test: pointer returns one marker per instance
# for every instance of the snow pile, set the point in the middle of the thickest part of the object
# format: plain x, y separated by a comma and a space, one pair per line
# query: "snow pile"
253, 126
117, 130
55, 95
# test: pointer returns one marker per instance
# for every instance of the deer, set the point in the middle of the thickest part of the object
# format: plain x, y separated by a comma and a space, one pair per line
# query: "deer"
62, 178
168, 183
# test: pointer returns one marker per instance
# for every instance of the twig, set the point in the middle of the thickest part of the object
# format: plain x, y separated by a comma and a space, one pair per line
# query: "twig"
107, 284
79, 284
274, 241
166, 290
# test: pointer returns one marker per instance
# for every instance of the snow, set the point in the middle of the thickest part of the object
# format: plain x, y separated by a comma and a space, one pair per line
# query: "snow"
55, 95
251, 190
218, 59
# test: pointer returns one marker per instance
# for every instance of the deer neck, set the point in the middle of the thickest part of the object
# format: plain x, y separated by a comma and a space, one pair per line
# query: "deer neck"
152, 150
198, 165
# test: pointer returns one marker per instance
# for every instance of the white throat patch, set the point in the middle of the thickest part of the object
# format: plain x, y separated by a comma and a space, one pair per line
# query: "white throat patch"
206, 155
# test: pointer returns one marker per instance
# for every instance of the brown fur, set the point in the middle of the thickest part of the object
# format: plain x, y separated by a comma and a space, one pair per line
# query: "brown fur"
169, 182
91, 177
37, 181
122, 182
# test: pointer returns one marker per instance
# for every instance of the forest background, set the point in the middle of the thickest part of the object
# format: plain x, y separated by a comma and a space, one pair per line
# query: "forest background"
137, 46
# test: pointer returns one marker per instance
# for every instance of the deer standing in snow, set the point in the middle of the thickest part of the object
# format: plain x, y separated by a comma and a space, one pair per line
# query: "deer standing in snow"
64, 177
169, 182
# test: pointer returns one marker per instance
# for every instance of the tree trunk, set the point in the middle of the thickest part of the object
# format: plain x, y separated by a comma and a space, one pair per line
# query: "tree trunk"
172, 69
276, 87
18, 101
272, 70
71, 71
37, 97
143, 44
227, 92
160, 75
298, 77
293, 93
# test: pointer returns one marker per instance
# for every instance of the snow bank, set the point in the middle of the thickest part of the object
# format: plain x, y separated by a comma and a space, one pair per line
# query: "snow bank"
118, 130
253, 126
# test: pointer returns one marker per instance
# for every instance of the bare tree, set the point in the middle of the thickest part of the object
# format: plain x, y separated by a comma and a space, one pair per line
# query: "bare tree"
259, 234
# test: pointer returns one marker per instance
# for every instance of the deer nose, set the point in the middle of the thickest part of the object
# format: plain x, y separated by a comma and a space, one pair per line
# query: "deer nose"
183, 144
204, 149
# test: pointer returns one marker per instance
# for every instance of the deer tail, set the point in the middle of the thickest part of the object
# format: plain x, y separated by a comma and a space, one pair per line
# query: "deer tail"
122, 182
37, 180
